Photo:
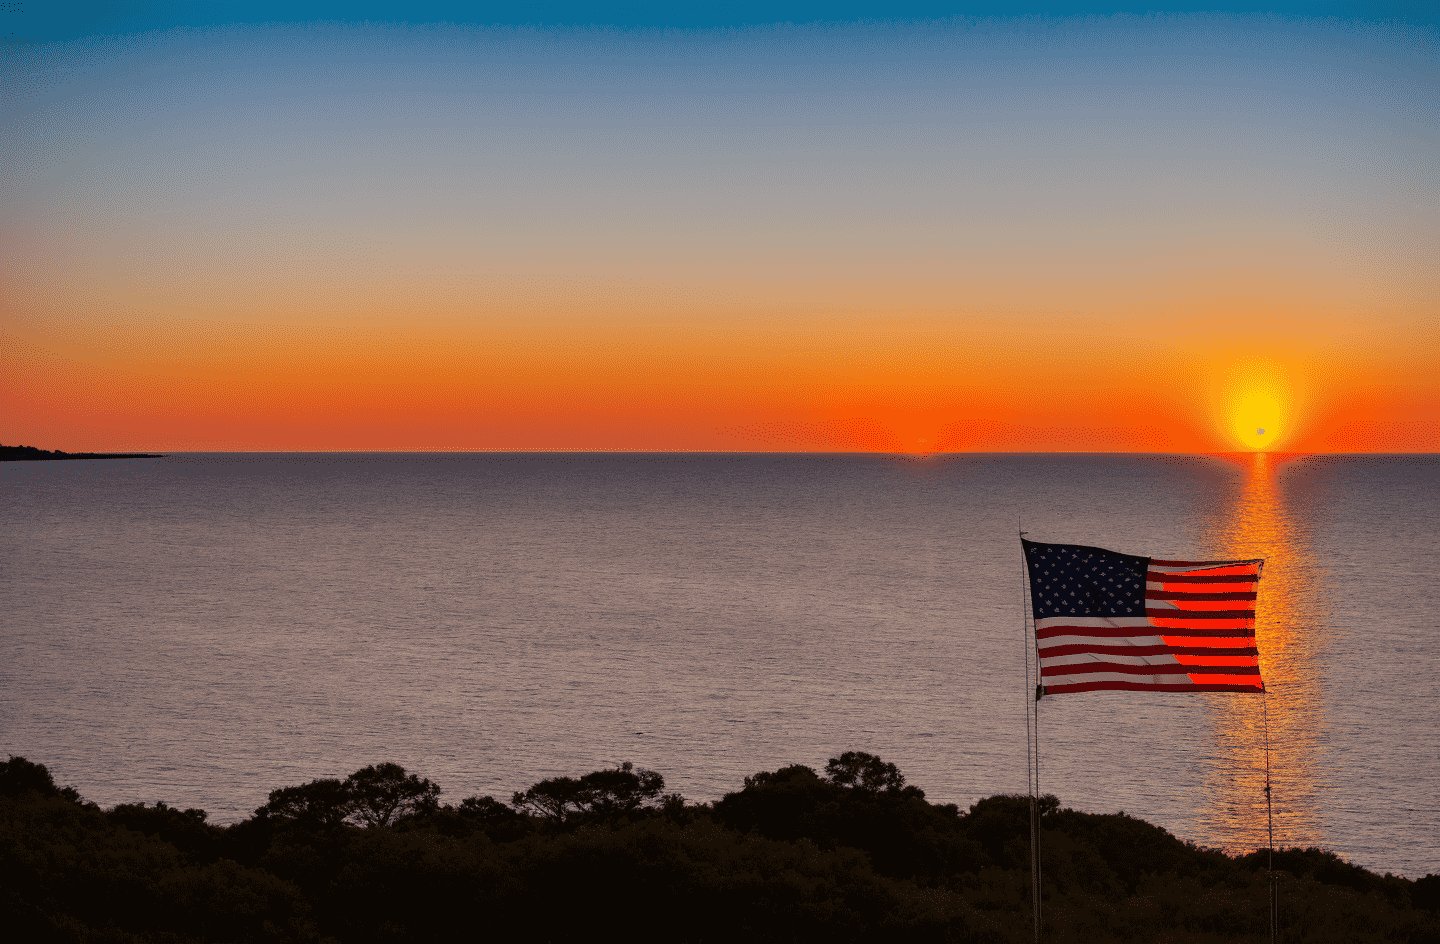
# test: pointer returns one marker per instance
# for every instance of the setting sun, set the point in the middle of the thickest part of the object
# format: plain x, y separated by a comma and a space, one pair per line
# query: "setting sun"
1259, 414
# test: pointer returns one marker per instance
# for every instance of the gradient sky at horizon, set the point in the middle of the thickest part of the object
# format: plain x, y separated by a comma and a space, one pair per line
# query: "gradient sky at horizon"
239, 228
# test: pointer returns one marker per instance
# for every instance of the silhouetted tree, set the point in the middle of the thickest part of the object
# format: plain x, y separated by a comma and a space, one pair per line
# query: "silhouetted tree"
184, 829
377, 795
783, 804
319, 803
485, 814
621, 789
555, 798
382, 793
19, 776
861, 803
1426, 893
864, 771
1001, 825
485, 809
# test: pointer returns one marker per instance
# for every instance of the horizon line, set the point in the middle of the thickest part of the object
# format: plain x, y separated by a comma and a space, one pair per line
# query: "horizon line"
779, 452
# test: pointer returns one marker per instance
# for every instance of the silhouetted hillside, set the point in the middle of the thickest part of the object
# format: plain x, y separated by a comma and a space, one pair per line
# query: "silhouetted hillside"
31, 454
848, 854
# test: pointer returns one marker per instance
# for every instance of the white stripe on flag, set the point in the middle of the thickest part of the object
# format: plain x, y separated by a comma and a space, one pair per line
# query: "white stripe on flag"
1106, 622
1177, 679
1082, 657
1054, 641
1201, 568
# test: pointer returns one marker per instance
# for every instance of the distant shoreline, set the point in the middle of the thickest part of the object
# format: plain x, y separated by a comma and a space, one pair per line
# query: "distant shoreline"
33, 454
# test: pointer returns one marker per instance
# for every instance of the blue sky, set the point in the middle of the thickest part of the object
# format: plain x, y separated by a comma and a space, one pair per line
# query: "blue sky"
29, 20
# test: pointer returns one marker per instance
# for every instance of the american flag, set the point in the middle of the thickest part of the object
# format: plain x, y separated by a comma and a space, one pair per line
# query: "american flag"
1106, 620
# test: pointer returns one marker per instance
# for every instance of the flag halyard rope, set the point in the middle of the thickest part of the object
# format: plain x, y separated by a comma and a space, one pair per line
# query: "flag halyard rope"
1270, 823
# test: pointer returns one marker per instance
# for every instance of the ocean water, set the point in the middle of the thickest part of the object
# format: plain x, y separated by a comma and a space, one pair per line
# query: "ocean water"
201, 629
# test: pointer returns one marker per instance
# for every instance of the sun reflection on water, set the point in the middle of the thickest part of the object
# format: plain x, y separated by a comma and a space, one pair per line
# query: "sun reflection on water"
1288, 617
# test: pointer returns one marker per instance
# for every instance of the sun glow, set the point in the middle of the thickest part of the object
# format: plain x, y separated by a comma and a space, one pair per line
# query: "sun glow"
1258, 415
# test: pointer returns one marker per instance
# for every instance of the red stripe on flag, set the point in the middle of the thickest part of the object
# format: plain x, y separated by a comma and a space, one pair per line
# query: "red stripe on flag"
1211, 659
1239, 678
1196, 626
1081, 649
1190, 596
1124, 632
1125, 668
1189, 640
1255, 687
1211, 611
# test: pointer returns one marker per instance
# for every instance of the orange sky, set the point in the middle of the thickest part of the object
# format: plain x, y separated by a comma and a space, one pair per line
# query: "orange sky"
638, 376
655, 256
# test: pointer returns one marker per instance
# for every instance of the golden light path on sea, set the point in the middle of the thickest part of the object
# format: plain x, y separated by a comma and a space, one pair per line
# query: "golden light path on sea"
1290, 619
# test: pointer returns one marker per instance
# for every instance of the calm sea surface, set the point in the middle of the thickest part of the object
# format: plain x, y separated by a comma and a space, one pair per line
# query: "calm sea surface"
200, 629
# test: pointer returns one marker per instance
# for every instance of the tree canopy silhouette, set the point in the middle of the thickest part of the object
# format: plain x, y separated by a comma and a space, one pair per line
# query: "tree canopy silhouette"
319, 803
866, 772
621, 789
378, 795
853, 855
19, 776
382, 793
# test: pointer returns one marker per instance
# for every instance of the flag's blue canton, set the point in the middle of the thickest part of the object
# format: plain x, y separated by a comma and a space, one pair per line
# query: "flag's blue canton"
1072, 580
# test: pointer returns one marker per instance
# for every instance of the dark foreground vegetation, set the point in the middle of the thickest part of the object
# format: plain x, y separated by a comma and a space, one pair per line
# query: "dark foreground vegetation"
31, 454
850, 853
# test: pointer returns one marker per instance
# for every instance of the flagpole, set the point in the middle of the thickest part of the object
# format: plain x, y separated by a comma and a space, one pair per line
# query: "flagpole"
1269, 806
1038, 875
1035, 802
1032, 747
1269, 822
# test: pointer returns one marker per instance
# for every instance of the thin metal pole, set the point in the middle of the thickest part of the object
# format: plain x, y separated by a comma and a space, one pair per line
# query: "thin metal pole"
1032, 744
1029, 756
1270, 824
1025, 651
1035, 805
